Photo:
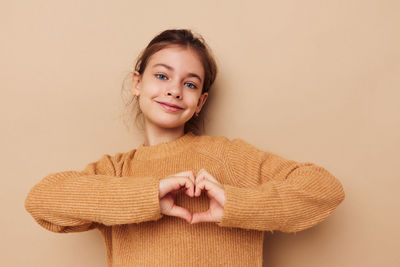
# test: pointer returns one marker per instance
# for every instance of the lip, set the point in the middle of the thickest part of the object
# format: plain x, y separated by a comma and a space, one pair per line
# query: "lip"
170, 106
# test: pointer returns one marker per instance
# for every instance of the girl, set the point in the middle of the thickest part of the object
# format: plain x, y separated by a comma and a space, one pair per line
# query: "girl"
232, 191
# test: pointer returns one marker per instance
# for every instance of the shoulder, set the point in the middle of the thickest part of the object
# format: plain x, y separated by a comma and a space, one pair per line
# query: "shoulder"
109, 164
119, 157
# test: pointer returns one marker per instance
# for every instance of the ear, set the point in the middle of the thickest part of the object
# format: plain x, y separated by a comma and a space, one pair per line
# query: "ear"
202, 100
136, 79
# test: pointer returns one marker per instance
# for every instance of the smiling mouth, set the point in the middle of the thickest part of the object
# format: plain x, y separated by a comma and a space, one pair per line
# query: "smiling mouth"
169, 107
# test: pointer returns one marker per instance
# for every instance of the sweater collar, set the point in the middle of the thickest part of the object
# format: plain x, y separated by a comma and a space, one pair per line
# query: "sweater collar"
164, 149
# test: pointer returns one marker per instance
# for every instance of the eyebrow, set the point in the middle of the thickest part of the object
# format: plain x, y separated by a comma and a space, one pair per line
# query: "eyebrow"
190, 74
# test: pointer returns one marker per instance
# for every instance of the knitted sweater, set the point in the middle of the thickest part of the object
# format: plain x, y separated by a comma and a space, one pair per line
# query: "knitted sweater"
118, 195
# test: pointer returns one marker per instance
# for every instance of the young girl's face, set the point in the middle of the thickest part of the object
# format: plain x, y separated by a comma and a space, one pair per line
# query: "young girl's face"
170, 88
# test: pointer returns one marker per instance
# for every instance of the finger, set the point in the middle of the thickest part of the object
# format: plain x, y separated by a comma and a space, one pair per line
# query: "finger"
214, 191
190, 191
174, 183
205, 185
166, 203
189, 175
204, 174
211, 178
187, 183
192, 178
180, 212
199, 178
202, 185
200, 175
202, 217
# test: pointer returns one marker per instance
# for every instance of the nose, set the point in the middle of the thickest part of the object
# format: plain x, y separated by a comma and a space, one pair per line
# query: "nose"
178, 96
174, 91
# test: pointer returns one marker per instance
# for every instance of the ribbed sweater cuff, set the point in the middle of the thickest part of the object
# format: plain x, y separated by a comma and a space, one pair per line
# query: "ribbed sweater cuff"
138, 201
242, 211
69, 199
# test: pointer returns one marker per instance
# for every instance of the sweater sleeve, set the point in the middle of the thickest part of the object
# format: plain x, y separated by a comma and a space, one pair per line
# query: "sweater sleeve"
273, 193
72, 201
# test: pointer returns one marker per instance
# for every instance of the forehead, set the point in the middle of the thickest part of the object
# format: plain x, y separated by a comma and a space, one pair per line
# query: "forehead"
179, 58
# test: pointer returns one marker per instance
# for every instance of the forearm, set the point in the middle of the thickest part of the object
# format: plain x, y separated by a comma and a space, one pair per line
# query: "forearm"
302, 200
72, 199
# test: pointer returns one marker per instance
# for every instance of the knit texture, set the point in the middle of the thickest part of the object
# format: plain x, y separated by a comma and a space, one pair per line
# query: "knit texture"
118, 195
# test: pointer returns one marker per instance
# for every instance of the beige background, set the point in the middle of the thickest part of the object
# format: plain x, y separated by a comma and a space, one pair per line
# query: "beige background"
310, 80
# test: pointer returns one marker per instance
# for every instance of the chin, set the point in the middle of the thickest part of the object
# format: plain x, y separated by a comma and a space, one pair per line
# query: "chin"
168, 123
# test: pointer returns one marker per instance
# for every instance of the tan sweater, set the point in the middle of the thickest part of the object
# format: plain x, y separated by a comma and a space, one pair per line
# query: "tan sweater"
118, 195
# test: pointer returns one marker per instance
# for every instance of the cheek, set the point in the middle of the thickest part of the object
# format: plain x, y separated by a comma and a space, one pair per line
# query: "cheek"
152, 89
192, 99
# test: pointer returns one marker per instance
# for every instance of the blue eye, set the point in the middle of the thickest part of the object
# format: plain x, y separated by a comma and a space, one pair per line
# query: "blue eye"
161, 76
191, 85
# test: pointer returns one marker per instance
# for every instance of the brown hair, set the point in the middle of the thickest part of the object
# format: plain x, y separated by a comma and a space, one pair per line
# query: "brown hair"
185, 38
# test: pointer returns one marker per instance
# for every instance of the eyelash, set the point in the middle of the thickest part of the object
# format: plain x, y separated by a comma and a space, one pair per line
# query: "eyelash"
162, 77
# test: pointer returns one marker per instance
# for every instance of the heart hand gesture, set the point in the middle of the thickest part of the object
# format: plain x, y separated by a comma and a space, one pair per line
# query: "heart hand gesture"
170, 186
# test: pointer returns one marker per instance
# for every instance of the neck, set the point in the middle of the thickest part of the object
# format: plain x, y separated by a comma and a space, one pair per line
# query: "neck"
156, 135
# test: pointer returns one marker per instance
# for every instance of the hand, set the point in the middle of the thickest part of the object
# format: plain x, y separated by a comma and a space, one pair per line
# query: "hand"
216, 193
167, 190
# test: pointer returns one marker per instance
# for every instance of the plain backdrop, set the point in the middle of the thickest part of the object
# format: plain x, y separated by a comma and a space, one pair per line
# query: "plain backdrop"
309, 80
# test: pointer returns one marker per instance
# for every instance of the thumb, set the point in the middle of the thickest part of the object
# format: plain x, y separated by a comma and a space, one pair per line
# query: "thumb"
180, 212
202, 217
